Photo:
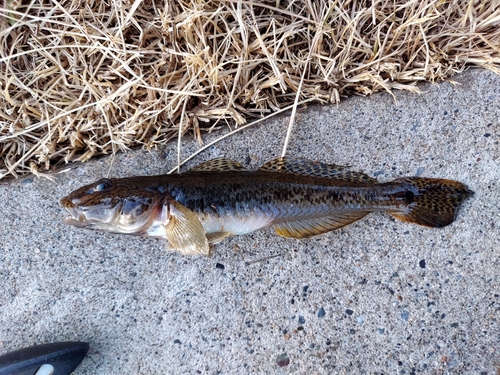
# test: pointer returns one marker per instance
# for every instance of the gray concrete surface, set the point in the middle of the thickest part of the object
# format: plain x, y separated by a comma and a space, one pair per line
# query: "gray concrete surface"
379, 296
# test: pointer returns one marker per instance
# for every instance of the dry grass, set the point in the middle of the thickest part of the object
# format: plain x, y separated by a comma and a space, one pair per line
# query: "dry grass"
84, 78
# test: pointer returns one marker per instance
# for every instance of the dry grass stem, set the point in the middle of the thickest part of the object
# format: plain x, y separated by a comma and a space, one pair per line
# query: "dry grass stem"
86, 78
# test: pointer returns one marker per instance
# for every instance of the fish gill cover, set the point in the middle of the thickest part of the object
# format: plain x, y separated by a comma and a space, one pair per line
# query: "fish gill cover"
85, 78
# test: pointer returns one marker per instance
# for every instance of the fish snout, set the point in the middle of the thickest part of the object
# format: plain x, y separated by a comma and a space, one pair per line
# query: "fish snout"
68, 202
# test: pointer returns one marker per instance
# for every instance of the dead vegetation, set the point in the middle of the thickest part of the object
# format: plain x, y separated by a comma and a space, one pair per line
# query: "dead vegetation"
84, 78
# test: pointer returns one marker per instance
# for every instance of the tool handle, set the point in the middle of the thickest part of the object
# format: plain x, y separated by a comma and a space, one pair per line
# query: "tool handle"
63, 357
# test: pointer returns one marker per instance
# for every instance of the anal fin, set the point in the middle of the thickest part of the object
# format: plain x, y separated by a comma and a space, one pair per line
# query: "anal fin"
185, 232
314, 226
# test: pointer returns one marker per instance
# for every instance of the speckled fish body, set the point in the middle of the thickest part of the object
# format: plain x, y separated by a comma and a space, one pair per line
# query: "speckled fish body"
299, 198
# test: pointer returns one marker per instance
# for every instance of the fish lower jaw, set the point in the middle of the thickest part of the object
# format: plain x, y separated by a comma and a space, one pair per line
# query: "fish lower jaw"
77, 222
77, 219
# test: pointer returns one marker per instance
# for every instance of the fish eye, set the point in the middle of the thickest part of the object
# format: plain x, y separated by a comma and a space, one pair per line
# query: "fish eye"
102, 185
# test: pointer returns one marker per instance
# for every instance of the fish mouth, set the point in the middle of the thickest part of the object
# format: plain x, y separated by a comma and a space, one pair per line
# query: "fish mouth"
75, 217
93, 216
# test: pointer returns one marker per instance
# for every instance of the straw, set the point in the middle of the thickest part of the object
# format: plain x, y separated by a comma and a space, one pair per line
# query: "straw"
82, 79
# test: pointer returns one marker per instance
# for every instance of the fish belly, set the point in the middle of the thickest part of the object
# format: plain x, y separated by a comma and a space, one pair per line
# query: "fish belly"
235, 224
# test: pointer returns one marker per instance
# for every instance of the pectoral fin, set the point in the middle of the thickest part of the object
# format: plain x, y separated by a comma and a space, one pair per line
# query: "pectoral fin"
311, 227
185, 231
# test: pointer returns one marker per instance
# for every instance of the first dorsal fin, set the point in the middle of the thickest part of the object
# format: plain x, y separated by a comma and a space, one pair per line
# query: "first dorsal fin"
313, 226
305, 167
217, 165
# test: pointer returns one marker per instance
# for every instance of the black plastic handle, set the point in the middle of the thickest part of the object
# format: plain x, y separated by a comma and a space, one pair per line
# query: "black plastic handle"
64, 357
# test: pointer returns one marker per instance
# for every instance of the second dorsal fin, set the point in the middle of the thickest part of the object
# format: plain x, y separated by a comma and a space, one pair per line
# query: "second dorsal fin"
307, 167
217, 165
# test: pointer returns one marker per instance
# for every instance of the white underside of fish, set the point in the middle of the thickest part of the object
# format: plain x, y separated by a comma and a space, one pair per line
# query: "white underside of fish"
212, 224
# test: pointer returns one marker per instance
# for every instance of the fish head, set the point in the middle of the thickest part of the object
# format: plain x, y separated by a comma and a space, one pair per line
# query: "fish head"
112, 205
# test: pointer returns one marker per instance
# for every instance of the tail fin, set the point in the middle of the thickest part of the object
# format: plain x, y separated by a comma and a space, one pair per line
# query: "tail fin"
432, 202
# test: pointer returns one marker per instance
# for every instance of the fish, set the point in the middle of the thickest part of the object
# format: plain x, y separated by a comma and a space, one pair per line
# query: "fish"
219, 198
